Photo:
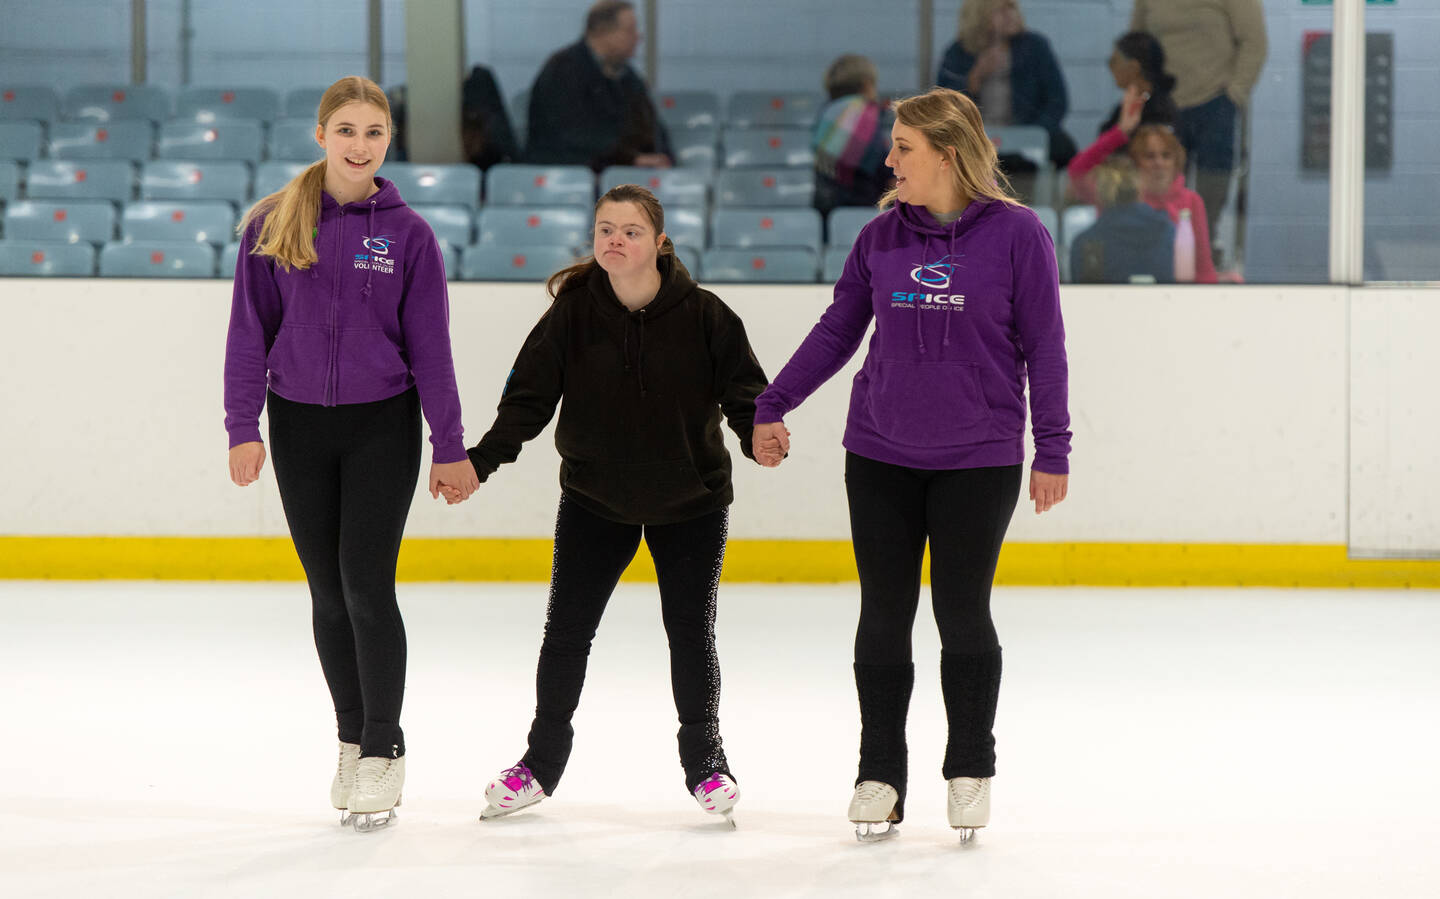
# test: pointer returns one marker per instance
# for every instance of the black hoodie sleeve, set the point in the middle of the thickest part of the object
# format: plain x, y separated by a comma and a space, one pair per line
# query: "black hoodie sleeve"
739, 379
531, 394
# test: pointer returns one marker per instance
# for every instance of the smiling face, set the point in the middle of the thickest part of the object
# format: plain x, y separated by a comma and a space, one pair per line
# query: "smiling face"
1156, 162
625, 240
922, 173
355, 139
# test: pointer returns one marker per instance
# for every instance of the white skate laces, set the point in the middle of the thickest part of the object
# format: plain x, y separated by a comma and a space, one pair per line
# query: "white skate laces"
511, 790
378, 782
968, 805
717, 794
344, 783
873, 805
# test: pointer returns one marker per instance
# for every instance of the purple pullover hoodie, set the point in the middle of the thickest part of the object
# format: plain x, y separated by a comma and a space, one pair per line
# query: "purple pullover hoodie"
962, 312
367, 322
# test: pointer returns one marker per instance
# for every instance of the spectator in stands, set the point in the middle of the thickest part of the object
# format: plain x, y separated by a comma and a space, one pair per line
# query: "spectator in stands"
589, 107
485, 130
1010, 73
1216, 50
852, 138
1131, 241
1160, 161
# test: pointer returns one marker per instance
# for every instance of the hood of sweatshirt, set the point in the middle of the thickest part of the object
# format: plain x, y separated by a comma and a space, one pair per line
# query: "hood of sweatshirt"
629, 325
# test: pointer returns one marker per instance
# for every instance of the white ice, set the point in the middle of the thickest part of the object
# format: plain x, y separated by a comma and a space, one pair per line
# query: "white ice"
176, 739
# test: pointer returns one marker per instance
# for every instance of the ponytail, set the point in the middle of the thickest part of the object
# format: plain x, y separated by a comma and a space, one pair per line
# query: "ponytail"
288, 231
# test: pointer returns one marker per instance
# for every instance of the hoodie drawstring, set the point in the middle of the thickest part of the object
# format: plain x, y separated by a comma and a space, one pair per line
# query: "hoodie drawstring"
370, 232
948, 315
640, 354
924, 255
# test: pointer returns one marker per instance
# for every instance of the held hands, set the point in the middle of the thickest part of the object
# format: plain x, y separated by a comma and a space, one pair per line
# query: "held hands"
246, 460
456, 480
770, 443
1047, 490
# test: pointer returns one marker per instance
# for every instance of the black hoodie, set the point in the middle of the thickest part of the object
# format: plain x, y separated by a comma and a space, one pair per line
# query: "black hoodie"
639, 432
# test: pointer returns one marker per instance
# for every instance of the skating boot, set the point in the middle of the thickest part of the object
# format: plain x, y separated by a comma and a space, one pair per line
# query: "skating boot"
513, 789
872, 805
718, 794
344, 783
378, 782
969, 805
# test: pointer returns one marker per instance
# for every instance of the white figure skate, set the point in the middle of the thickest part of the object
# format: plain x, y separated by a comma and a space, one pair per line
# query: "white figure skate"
378, 782
872, 805
969, 805
510, 791
718, 794
344, 783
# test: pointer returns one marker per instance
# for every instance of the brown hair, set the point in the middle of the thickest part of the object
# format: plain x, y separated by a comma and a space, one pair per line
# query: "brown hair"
288, 232
1167, 137
975, 16
576, 275
950, 121
605, 15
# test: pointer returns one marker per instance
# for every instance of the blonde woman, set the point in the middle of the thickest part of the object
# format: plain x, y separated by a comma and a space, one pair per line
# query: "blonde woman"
339, 323
960, 281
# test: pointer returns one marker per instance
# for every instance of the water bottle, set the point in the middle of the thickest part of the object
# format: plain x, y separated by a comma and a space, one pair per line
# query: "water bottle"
1184, 248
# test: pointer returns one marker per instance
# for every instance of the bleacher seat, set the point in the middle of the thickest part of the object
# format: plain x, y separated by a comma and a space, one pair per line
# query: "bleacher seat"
1032, 143
512, 184
66, 221
765, 187
242, 139
19, 258
229, 258
834, 263
273, 175
293, 140
90, 179
451, 224
686, 225
9, 180
685, 187
29, 101
162, 179
767, 146
1050, 220
764, 264
1074, 220
680, 110
206, 221
456, 184
843, 224
496, 262
117, 102
695, 147
215, 104
772, 109
20, 140
131, 139
157, 259
553, 226
779, 227
451, 254
691, 257
303, 103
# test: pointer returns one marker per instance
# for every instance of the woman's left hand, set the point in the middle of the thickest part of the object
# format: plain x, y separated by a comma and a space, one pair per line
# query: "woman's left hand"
1047, 489
458, 475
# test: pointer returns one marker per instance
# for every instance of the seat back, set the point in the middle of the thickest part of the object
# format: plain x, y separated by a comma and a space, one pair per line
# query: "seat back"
494, 262
765, 187
63, 221
117, 102
20, 140
217, 104
684, 187
514, 184
762, 264
157, 259
130, 139
844, 223
293, 140
454, 184
681, 110
21, 258
29, 101
451, 224
89, 179
767, 146
766, 228
771, 109
241, 139
531, 226
169, 180
205, 221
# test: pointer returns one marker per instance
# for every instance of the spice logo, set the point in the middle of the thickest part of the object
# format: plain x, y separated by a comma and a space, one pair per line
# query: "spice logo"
378, 259
380, 246
933, 274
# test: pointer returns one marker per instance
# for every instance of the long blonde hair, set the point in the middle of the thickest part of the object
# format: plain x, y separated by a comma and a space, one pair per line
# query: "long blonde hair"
288, 232
950, 121
573, 276
975, 16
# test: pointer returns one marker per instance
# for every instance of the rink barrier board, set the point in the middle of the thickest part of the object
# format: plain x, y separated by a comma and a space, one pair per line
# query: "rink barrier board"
747, 561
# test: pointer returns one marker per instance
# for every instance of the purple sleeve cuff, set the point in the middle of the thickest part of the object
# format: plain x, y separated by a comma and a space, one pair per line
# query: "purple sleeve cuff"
245, 434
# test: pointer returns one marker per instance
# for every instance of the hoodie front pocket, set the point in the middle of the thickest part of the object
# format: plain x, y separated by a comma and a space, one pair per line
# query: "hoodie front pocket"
929, 403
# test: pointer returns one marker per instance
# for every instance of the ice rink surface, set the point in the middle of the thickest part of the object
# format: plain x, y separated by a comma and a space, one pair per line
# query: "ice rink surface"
176, 739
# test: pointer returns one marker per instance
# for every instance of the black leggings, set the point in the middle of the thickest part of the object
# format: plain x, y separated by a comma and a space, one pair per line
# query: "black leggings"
590, 555
347, 478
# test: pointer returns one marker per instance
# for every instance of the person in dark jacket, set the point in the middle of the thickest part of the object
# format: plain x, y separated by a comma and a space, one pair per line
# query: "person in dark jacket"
485, 130
646, 363
589, 107
1010, 73
1131, 241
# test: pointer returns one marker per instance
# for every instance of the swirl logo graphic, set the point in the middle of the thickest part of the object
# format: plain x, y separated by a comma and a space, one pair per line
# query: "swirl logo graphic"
933, 274
380, 246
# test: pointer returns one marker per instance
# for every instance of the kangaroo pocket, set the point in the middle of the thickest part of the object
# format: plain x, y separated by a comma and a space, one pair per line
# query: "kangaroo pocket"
298, 361
370, 365
646, 491
928, 403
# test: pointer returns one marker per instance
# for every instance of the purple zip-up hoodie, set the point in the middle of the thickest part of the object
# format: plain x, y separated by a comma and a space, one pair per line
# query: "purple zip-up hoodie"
962, 312
367, 322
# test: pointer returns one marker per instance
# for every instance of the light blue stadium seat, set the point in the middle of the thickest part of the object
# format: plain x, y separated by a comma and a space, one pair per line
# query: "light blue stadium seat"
117, 102
20, 140
767, 146
765, 187
1050, 220
273, 175
504, 262
1076, 219
762, 264
691, 257
19, 258
552, 226
29, 101
293, 140
771, 109
779, 227
684, 187
680, 110
843, 224
513, 184
131, 139
229, 258
451, 224
451, 254
695, 148
303, 103
90, 179
157, 259
1032, 143
207, 221
455, 184
215, 104
834, 263
170, 180
66, 221
9, 180
686, 225
242, 139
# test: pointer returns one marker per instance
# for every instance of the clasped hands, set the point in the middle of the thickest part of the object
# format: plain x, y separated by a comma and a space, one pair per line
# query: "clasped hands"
770, 443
